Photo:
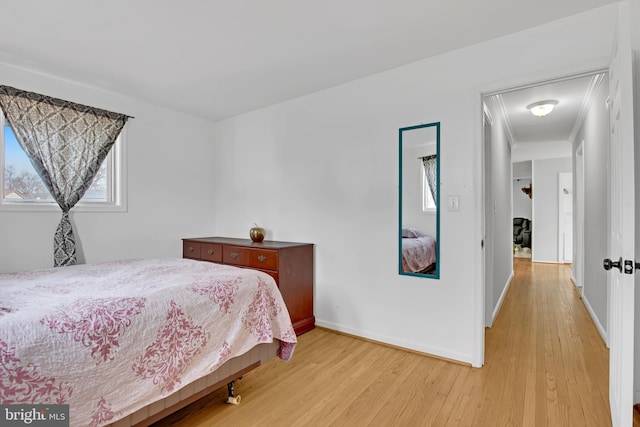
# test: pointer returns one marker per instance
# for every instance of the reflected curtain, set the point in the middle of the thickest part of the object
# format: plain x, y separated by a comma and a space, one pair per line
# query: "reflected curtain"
430, 169
66, 143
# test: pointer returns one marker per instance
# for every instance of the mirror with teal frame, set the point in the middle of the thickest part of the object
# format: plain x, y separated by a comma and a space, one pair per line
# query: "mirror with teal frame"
419, 201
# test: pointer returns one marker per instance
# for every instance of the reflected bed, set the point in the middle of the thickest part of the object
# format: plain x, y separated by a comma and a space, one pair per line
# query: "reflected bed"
418, 254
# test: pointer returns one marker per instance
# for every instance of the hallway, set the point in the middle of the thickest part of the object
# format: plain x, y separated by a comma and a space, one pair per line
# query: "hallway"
546, 365
555, 362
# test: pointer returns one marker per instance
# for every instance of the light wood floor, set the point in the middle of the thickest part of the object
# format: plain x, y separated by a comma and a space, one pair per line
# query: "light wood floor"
546, 365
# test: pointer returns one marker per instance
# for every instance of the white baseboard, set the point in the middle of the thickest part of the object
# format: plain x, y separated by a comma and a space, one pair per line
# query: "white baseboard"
409, 345
542, 261
498, 306
575, 283
595, 319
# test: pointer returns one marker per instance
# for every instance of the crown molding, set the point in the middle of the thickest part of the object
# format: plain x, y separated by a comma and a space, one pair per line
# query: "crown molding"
502, 110
587, 101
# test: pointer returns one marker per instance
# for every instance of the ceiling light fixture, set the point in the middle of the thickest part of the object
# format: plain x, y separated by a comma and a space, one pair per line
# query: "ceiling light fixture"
542, 108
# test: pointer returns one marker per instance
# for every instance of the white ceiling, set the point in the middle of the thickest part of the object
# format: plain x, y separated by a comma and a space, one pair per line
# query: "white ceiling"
219, 58
574, 96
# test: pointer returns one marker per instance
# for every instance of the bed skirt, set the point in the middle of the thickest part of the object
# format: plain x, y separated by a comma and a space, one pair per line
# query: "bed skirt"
230, 370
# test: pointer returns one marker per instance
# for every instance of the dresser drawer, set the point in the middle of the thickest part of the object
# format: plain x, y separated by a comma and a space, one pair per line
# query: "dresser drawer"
262, 259
235, 255
191, 249
211, 252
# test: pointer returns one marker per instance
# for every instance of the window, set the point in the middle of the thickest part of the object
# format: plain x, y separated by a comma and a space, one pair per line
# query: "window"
428, 203
23, 190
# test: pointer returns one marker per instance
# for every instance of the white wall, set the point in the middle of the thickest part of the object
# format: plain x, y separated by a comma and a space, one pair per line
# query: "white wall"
170, 186
541, 150
522, 169
323, 169
595, 157
544, 236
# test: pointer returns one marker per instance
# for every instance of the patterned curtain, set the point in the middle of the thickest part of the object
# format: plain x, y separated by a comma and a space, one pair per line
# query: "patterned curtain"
66, 143
430, 169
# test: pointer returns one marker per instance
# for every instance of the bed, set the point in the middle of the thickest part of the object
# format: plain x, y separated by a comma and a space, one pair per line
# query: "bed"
418, 251
127, 342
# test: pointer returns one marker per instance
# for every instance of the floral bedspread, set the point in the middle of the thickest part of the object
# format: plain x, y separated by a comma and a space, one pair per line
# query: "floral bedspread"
418, 253
110, 338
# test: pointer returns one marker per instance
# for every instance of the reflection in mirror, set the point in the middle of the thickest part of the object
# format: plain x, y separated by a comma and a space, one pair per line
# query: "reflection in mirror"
419, 229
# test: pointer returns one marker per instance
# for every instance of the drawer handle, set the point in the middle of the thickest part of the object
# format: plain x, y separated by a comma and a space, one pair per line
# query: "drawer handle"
210, 251
262, 258
234, 255
190, 248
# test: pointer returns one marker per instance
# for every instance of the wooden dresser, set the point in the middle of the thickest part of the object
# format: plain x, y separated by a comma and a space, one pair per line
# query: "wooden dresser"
290, 264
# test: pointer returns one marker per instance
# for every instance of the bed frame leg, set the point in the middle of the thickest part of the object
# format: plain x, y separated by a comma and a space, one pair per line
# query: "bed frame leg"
232, 399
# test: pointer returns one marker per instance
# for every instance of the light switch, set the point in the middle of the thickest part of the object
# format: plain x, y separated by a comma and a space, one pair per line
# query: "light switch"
453, 203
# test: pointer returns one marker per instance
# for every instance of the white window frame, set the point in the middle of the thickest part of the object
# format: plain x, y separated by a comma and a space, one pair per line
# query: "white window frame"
427, 208
116, 186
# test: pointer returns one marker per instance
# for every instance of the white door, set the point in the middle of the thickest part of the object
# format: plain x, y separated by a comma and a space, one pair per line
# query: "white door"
565, 217
578, 265
622, 232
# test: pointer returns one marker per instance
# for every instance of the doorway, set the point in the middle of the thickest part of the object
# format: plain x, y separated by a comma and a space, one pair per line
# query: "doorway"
558, 148
522, 209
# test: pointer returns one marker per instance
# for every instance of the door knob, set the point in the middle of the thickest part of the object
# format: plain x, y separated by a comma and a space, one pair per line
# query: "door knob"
608, 264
